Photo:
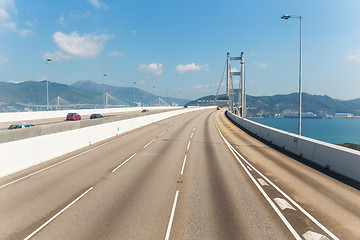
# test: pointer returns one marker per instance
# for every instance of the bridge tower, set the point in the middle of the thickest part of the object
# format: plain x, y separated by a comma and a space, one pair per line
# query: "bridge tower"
241, 100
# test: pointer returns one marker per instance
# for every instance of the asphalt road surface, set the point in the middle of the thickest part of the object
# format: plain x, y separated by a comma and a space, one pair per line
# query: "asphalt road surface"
46, 121
193, 176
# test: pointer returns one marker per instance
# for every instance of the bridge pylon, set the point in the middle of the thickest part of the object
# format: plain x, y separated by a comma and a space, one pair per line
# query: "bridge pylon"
241, 101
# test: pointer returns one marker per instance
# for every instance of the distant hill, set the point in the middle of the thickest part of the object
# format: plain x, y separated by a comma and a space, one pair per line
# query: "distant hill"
126, 94
31, 95
268, 106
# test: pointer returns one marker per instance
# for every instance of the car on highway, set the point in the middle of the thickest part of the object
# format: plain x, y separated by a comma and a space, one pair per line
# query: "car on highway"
145, 110
96, 115
73, 116
218, 108
20, 125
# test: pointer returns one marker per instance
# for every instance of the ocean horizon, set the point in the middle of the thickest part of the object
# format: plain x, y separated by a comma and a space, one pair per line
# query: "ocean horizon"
336, 131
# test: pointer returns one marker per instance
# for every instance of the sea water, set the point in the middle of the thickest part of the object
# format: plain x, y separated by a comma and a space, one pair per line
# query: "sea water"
337, 130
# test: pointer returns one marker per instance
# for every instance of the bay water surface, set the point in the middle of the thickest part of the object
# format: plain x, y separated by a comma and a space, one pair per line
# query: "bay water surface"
337, 130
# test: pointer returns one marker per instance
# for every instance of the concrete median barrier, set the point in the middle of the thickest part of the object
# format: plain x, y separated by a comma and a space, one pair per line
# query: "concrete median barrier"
24, 153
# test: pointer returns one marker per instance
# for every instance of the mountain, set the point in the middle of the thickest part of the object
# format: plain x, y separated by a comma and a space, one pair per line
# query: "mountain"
31, 96
268, 106
126, 94
17, 96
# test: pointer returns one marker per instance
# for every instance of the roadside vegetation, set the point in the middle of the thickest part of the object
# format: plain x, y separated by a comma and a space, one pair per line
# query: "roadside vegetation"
351, 145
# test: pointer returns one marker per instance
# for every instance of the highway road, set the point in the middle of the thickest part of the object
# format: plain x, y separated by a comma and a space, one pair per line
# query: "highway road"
193, 176
48, 121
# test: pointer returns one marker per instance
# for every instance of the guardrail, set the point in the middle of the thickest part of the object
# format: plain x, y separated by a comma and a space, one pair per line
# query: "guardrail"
341, 160
24, 153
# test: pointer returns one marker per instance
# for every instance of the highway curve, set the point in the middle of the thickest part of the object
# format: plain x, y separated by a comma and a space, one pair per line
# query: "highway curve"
193, 176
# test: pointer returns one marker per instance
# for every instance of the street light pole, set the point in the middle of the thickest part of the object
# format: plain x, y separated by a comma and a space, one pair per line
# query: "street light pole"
47, 84
134, 95
287, 16
104, 100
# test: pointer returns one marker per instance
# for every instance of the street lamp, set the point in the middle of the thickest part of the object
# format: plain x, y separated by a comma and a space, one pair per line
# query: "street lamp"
134, 94
104, 90
47, 84
287, 16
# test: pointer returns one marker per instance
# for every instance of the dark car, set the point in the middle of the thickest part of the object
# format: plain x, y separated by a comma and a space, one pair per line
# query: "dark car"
73, 116
145, 110
20, 125
96, 115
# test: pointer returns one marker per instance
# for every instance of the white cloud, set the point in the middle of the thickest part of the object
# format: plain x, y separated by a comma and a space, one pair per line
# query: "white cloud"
151, 69
74, 45
191, 68
98, 4
16, 82
64, 20
57, 56
4, 15
354, 56
116, 54
261, 65
4, 60
12, 27
6, 23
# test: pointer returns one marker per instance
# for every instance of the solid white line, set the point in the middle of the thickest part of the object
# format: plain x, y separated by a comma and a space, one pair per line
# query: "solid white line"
192, 134
272, 204
63, 161
149, 143
124, 162
183, 166
280, 191
188, 146
51, 219
292, 201
171, 217
162, 133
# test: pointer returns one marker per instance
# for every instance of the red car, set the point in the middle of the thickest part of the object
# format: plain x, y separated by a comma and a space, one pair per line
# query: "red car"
73, 116
145, 110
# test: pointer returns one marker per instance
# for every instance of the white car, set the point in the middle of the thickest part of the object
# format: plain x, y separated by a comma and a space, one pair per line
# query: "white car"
20, 125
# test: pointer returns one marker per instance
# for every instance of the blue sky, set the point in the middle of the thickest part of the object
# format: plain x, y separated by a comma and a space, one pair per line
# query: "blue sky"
179, 47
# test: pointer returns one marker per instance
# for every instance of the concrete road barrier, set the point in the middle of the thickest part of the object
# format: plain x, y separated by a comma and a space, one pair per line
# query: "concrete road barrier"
338, 159
24, 153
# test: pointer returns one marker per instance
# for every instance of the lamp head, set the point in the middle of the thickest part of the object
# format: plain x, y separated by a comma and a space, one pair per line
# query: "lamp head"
286, 16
